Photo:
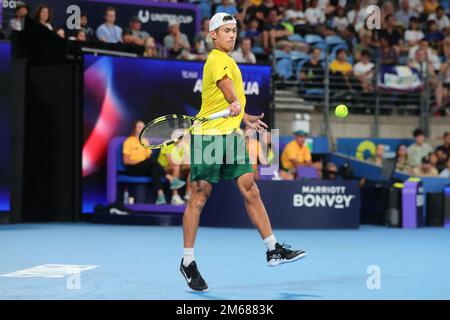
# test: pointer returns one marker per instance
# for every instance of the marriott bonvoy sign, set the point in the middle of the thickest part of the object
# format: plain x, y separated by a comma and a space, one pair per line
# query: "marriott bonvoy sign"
317, 196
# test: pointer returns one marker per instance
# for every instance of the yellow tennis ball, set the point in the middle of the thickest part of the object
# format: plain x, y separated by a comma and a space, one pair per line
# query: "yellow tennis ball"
341, 111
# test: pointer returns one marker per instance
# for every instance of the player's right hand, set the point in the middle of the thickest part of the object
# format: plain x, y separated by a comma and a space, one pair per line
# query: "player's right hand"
235, 109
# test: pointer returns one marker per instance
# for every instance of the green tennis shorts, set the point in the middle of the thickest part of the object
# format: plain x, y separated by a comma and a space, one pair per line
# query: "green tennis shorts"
221, 157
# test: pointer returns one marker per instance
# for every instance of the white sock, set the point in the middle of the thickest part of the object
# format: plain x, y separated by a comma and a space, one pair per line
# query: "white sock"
270, 242
188, 256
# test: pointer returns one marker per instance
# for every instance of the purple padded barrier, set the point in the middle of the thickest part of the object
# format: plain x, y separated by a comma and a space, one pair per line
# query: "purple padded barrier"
264, 176
409, 205
111, 179
307, 172
151, 207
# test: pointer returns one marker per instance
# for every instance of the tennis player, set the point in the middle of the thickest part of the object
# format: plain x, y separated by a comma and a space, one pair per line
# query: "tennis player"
222, 88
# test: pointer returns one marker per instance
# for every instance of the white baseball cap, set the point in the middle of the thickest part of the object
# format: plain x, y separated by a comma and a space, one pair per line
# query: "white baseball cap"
220, 19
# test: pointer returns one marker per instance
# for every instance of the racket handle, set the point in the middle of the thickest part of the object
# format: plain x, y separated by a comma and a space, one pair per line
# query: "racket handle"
220, 114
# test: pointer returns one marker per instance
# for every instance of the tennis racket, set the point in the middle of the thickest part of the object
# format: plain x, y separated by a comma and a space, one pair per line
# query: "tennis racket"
169, 129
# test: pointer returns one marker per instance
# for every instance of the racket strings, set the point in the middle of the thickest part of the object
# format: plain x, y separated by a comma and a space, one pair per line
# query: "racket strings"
166, 130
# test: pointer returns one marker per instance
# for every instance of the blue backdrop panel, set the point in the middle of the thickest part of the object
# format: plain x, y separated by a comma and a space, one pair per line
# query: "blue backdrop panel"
290, 205
5, 125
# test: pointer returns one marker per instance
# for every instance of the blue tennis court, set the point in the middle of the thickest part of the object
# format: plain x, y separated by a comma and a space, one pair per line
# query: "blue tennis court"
141, 262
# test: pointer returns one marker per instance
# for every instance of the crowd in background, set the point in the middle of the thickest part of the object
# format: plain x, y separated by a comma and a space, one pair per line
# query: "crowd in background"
413, 33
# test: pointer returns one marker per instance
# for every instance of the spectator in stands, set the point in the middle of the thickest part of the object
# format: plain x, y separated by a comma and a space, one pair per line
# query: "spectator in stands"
413, 35
425, 169
417, 6
44, 16
330, 172
366, 42
446, 142
174, 159
176, 42
442, 155
419, 149
139, 162
312, 74
252, 32
18, 22
296, 153
80, 35
340, 22
446, 172
275, 34
61, 32
244, 54
431, 55
364, 71
134, 35
84, 23
227, 6
390, 33
401, 154
297, 19
441, 18
425, 67
405, 14
109, 32
150, 48
266, 6
357, 16
434, 36
378, 157
387, 9
430, 6
389, 56
201, 45
341, 69
315, 17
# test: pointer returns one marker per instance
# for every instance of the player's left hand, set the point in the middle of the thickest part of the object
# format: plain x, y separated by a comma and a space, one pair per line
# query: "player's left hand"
235, 109
254, 122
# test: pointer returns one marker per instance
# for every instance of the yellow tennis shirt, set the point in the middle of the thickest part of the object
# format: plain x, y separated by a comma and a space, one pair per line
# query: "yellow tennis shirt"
216, 67
134, 149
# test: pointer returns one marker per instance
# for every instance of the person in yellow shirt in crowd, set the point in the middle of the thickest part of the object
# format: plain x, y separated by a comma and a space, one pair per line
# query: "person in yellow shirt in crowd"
175, 159
341, 70
296, 153
138, 162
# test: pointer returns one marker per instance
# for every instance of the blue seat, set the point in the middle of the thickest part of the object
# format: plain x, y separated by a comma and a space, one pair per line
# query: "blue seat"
313, 39
296, 38
334, 40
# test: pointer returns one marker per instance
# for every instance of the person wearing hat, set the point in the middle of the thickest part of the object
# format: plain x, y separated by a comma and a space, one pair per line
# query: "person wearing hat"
296, 153
223, 89
21, 11
134, 34
176, 42
426, 169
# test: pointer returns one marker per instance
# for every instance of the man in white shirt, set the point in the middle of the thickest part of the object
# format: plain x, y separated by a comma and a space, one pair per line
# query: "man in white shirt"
363, 71
244, 54
441, 18
431, 55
